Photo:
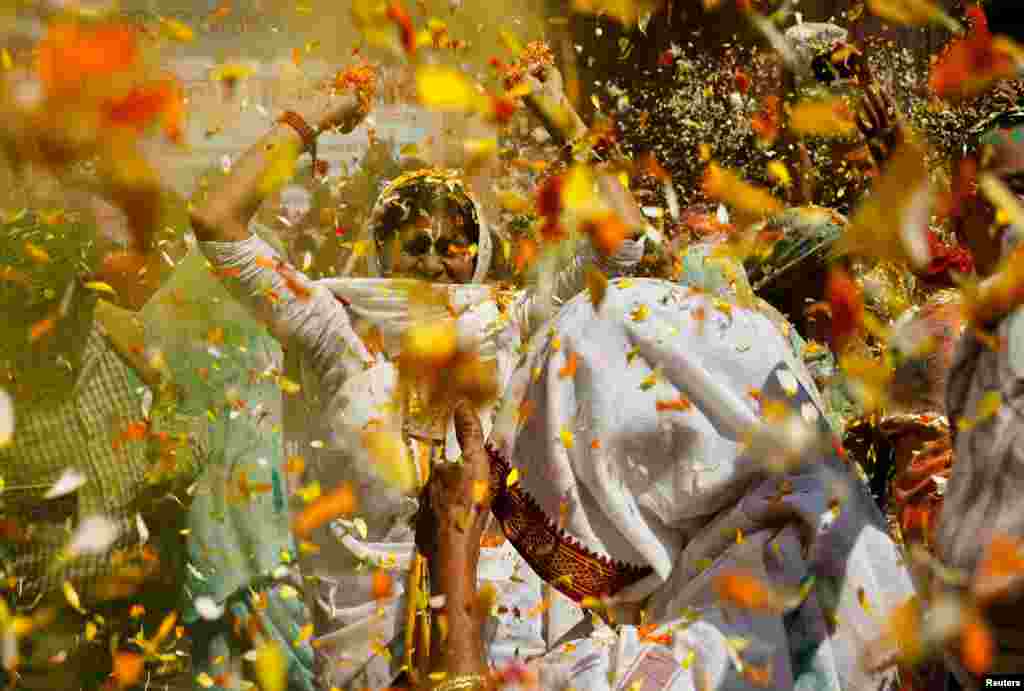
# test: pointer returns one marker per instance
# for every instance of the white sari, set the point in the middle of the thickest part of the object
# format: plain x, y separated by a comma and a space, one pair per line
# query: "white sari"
635, 487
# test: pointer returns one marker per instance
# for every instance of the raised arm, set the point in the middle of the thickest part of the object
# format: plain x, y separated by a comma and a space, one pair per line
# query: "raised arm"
453, 516
297, 311
548, 101
226, 213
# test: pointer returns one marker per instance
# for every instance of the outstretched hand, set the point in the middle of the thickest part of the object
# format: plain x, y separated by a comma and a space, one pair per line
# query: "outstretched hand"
879, 122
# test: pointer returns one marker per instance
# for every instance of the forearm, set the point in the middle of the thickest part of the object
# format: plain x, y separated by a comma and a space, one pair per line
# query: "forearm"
459, 644
560, 119
225, 215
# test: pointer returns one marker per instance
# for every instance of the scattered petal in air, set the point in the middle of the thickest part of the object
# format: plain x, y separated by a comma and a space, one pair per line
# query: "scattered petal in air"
341, 502
1001, 568
397, 14
970, 65
6, 418
69, 481
305, 633
95, 535
847, 307
208, 608
977, 646
74, 54
744, 590
177, 30
382, 585
389, 457
1003, 198
779, 174
913, 13
271, 666
284, 158
100, 287
824, 118
231, 73
597, 286
478, 152
606, 231
128, 668
427, 347
569, 370
71, 595
892, 223
627, 12
726, 186
446, 89
681, 404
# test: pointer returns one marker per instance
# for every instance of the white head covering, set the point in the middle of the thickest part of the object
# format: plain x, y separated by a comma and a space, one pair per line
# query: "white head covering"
386, 303
452, 181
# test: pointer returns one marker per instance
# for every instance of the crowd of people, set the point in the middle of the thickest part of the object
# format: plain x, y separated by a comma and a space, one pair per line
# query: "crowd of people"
548, 412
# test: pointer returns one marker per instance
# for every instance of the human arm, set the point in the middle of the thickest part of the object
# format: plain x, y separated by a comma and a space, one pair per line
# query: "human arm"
230, 206
453, 517
294, 308
547, 100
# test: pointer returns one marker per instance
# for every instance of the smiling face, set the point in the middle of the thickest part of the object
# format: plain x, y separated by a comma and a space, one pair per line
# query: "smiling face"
429, 239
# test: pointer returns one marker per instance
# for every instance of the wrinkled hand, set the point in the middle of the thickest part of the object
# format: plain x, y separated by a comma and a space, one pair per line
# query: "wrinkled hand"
546, 81
879, 122
455, 504
345, 112
328, 110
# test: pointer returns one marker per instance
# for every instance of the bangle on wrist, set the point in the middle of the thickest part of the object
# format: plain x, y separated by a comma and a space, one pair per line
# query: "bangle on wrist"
463, 682
305, 132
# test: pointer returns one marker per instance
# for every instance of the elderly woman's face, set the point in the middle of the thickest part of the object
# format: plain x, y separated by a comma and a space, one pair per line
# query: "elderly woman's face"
435, 247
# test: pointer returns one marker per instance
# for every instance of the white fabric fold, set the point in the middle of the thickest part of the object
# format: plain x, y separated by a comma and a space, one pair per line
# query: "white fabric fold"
640, 457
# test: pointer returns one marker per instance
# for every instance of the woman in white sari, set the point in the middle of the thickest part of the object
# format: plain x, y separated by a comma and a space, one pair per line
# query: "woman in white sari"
682, 481
343, 339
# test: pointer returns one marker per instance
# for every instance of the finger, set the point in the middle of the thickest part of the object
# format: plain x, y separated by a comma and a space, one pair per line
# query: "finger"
864, 124
886, 100
883, 106
874, 110
471, 439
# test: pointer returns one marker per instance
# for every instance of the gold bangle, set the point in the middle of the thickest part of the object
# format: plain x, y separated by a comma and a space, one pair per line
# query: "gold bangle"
461, 683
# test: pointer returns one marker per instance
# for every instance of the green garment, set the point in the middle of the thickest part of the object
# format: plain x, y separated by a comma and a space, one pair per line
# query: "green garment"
227, 368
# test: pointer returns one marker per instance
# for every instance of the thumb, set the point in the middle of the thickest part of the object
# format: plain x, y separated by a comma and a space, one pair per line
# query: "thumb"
471, 438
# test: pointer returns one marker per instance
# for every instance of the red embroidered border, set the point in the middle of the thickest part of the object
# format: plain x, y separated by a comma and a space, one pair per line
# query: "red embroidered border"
558, 558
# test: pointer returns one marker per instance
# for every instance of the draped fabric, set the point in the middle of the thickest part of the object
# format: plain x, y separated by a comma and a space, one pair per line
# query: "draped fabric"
239, 542
981, 497
638, 469
347, 382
